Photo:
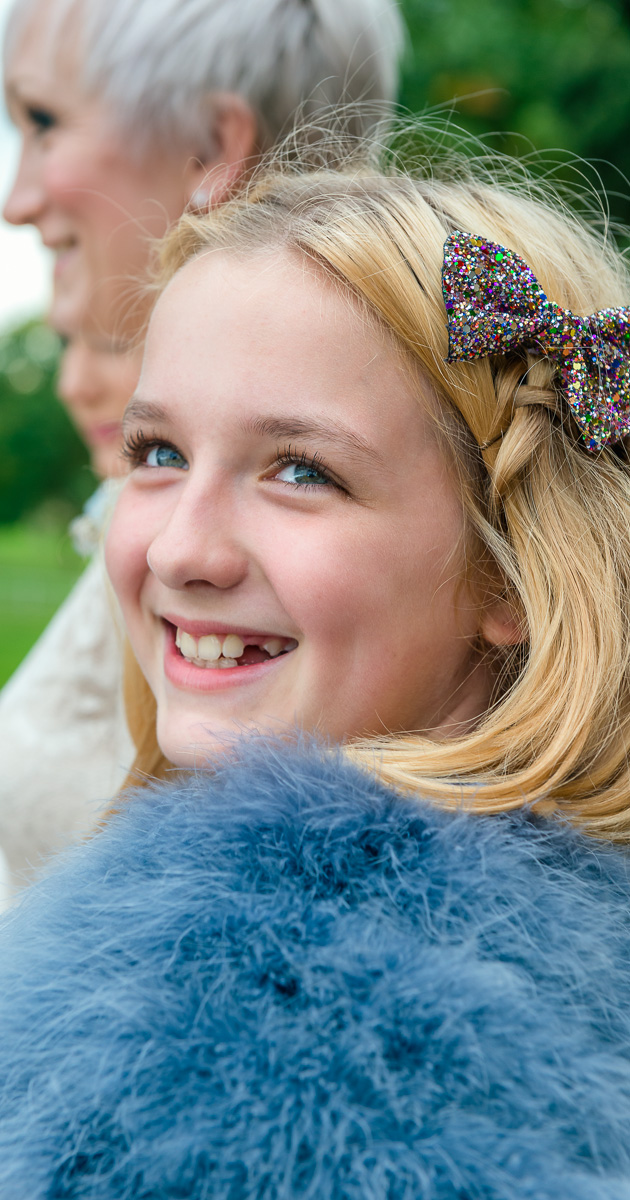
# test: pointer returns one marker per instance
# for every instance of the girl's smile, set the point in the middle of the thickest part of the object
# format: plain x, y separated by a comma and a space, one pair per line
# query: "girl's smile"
207, 657
288, 547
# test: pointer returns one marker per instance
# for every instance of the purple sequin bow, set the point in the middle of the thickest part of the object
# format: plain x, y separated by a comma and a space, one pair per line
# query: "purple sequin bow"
494, 304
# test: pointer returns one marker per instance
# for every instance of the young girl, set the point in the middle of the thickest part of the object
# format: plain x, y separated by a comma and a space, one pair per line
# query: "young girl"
377, 517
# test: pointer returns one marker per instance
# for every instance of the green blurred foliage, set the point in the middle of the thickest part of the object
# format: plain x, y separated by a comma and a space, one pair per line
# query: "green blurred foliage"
43, 461
38, 566
553, 73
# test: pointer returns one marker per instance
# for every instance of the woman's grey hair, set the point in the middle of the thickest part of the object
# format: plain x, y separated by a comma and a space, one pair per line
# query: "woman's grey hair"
156, 62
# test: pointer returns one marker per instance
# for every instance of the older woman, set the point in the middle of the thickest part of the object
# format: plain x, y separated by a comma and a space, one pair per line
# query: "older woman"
130, 111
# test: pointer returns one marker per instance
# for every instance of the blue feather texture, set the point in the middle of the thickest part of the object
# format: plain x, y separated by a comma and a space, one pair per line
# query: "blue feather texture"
281, 980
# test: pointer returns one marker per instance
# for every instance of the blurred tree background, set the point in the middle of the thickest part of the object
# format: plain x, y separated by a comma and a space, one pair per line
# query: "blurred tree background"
43, 463
547, 75
44, 481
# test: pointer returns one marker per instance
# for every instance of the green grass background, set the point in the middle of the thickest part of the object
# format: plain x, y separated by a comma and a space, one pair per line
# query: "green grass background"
38, 567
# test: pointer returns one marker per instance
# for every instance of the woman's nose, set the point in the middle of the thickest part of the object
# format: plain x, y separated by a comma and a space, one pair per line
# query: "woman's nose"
25, 202
199, 544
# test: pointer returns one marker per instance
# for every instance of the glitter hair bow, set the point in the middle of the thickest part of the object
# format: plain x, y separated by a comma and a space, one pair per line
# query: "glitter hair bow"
495, 304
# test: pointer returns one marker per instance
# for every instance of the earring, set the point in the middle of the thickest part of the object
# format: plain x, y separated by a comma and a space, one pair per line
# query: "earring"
200, 200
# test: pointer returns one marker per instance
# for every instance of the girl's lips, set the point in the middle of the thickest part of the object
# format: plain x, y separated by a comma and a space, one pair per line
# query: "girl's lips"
103, 434
186, 675
199, 629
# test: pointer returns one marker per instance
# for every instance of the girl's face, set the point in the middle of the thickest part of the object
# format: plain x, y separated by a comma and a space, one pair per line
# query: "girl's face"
287, 548
94, 202
95, 382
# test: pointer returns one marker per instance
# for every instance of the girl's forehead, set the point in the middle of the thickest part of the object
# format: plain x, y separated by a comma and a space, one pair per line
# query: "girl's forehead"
281, 293
261, 336
276, 307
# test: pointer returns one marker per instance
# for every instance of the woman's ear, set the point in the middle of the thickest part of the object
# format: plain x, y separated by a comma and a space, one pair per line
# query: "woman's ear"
232, 151
502, 624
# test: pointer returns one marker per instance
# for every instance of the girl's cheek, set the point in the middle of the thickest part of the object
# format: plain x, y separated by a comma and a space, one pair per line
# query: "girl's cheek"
314, 582
126, 549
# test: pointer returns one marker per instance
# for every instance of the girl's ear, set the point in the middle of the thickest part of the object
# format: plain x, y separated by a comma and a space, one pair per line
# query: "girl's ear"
232, 150
502, 624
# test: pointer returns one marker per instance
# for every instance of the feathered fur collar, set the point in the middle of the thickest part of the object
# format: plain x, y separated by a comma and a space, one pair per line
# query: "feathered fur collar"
283, 981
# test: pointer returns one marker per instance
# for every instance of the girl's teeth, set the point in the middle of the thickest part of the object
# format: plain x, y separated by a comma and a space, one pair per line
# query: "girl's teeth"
187, 644
209, 648
233, 646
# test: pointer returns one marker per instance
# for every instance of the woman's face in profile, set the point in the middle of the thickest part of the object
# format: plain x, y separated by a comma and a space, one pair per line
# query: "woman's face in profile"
288, 547
95, 201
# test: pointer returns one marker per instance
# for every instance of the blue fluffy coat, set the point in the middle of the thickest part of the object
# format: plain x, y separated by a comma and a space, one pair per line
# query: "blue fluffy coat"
284, 981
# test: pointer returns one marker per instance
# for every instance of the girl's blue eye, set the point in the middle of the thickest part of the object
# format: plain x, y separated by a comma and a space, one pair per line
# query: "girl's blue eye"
302, 473
165, 456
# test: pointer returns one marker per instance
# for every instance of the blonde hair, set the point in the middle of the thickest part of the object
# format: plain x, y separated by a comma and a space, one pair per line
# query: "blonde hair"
553, 518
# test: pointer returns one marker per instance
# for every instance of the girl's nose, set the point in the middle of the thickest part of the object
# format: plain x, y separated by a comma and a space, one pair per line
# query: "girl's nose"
77, 384
199, 544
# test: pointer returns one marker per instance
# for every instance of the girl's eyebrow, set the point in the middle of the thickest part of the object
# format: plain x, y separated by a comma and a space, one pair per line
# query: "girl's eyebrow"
288, 427
282, 427
143, 410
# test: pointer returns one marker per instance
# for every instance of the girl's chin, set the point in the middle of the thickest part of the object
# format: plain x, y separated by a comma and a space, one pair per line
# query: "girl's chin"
191, 744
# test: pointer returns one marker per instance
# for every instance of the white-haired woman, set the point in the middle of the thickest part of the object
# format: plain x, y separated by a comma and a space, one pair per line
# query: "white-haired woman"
131, 111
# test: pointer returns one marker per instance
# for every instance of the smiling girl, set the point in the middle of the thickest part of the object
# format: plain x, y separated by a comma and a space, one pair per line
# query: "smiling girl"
378, 510
275, 564
427, 529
